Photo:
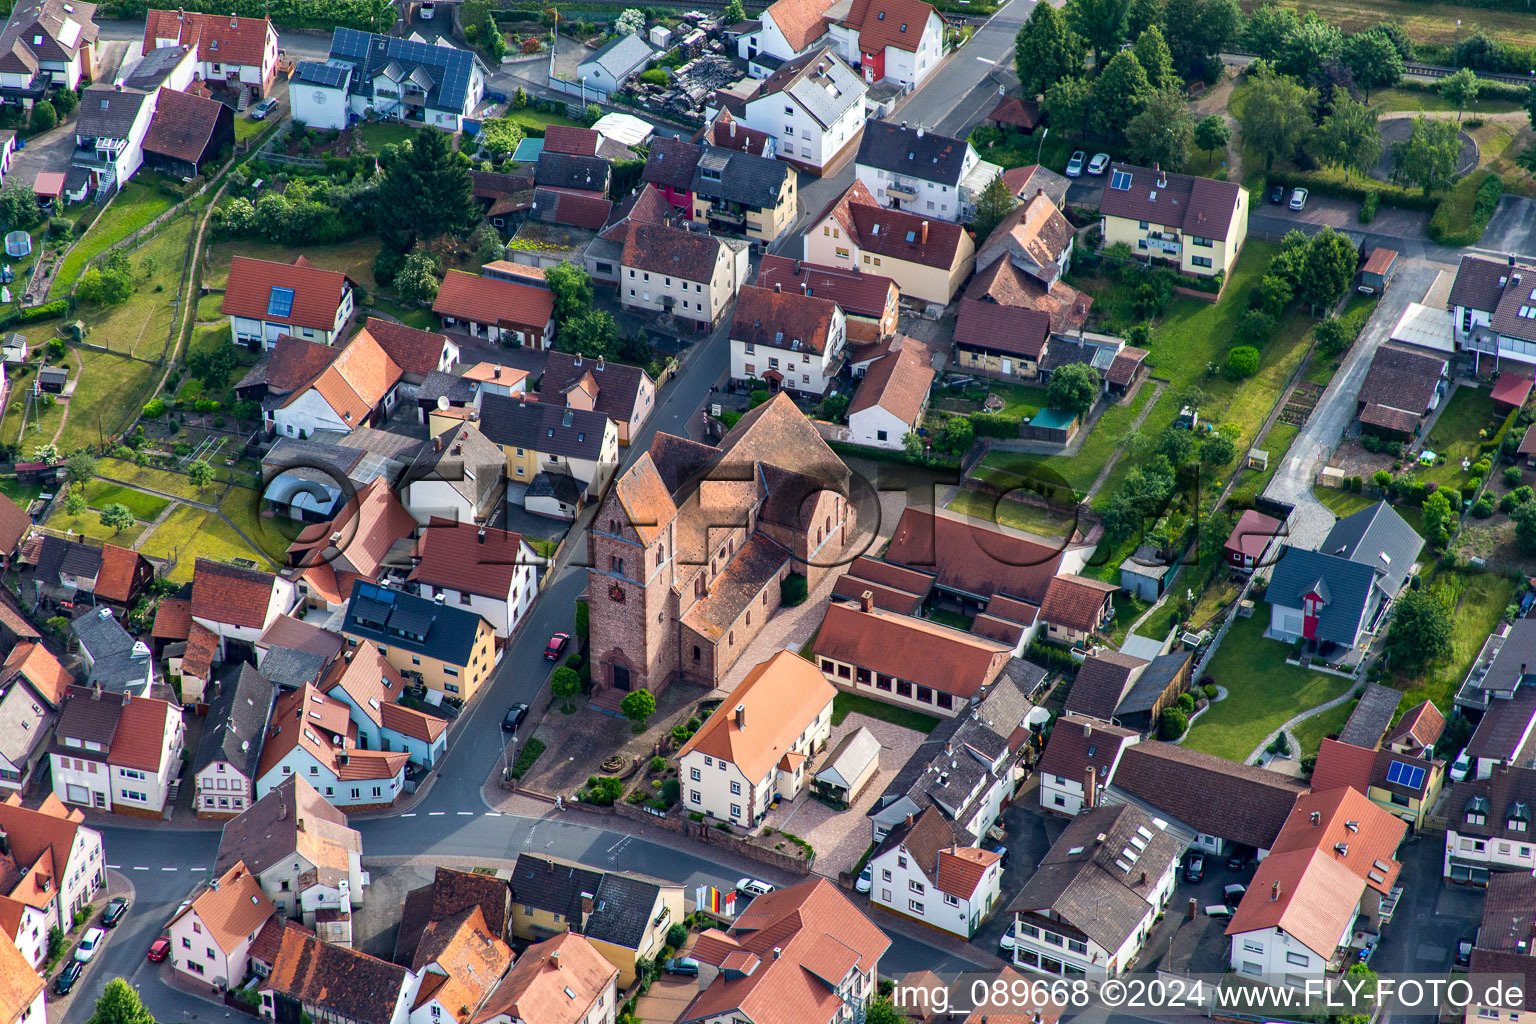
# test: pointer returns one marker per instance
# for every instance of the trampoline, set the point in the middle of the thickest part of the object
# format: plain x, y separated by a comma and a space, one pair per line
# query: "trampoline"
18, 243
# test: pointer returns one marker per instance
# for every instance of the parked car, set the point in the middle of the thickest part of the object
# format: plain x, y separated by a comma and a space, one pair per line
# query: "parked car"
1099, 164
1194, 868
1464, 950
1232, 895
1461, 767
1009, 938
1277, 194
1236, 862
260, 111
1075, 165
89, 945
117, 906
427, 10
1219, 910
1299, 199
68, 976
754, 887
556, 645
515, 715
681, 965
159, 949
865, 881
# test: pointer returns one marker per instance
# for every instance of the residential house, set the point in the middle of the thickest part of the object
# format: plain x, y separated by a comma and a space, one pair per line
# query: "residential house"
237, 605
449, 650
312, 735
15, 526
1417, 732
1250, 538
604, 251
1035, 238
449, 894
457, 476
1489, 826
23, 989
559, 176
562, 980
54, 865
1324, 887
370, 687
1197, 224
494, 573
685, 274
1339, 592
415, 351
613, 64
920, 171
211, 936
231, 51
33, 686
1076, 607
1502, 945
1130, 691
625, 394
288, 637
905, 660
926, 871
1401, 388
929, 259
847, 768
111, 658
786, 340
116, 752
291, 363
359, 387
742, 194
1405, 785
187, 134
624, 917
1492, 309
497, 310
230, 749
726, 132
266, 300
898, 42
47, 43
328, 982
296, 844
539, 437
813, 106
372, 531
67, 572
868, 301
112, 120
784, 31
1091, 902
893, 396
1002, 341
669, 169
396, 78
779, 717
1081, 757
459, 961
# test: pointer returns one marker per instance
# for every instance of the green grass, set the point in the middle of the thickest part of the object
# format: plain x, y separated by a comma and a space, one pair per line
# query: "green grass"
1477, 601
354, 258
844, 703
21, 495
1309, 734
272, 535
1019, 400
153, 479
541, 119
1394, 100
1278, 444
1030, 518
1454, 435
109, 396
1424, 23
189, 533
1009, 469
246, 129
1342, 503
141, 326
1263, 692
948, 618
99, 494
88, 524
412, 316
134, 207
379, 134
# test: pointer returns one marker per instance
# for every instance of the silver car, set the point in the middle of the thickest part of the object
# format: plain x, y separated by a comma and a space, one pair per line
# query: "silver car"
1075, 165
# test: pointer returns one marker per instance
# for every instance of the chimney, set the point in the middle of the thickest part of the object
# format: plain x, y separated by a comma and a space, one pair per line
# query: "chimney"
909, 821
1162, 177
522, 398
1511, 259
586, 909
214, 885
923, 237
578, 359
118, 86
919, 131
234, 21
5, 843
480, 537
496, 372
741, 716
777, 950
554, 959
1143, 879
599, 364
1316, 817
1190, 911
1090, 787
181, 15
1087, 729
867, 601
1274, 890
733, 129
437, 444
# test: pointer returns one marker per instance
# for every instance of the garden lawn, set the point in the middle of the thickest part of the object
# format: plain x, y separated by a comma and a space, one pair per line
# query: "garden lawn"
1278, 444
88, 524
1454, 435
189, 533
1263, 692
42, 424
412, 316
109, 396
142, 325
272, 535
21, 495
133, 207
1394, 100
538, 120
1019, 400
379, 134
1477, 602
354, 258
99, 494
843, 703
1310, 733
246, 128
148, 477
1009, 469
1034, 519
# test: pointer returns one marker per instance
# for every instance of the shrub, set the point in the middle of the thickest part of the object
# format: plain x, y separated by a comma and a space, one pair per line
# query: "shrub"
992, 424
154, 408
793, 590
1242, 362
1381, 478
525, 758
1186, 702
658, 763
677, 935
1484, 507
603, 791
1172, 724
1368, 207
1210, 691
44, 116
654, 76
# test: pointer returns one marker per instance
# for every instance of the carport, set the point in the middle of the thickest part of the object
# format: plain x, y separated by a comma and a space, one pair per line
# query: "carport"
1513, 386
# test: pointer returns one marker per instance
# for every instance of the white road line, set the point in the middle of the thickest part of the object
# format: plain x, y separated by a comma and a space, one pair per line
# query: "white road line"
115, 867
408, 814
434, 814
466, 814
987, 60
493, 814
140, 867
168, 869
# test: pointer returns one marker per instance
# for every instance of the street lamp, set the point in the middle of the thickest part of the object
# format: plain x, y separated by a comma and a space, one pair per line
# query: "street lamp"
583, 92
1041, 147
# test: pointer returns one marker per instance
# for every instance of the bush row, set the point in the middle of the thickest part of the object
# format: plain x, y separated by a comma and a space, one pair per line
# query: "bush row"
1442, 227
325, 14
47, 311
1358, 190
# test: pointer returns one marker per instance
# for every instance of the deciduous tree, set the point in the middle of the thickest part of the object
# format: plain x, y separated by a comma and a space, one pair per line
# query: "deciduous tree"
1046, 50
1101, 23
1373, 60
1421, 630
1349, 137
1156, 59
1212, 133
638, 705
1163, 132
1276, 116
120, 1004
200, 474
1142, 15
1327, 270
118, 516
1074, 387
82, 467
1461, 89
1427, 158
1198, 30
735, 12
500, 136
1314, 43
1119, 94
417, 280
631, 22
572, 288
1269, 30
1068, 101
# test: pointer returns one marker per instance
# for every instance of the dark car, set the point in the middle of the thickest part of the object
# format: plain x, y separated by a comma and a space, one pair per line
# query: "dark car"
117, 906
1464, 949
515, 715
1194, 868
682, 965
556, 645
68, 976
1277, 194
1236, 862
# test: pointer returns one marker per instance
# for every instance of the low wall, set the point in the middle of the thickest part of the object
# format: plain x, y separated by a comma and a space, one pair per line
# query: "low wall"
705, 833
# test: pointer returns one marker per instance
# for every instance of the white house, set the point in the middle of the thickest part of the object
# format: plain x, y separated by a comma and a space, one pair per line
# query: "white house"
1077, 747
230, 49
813, 107
785, 31
923, 870
358, 389
224, 767
897, 41
313, 736
53, 42
893, 396
1491, 303
565, 970
492, 572
60, 863
787, 339
458, 477
756, 748
920, 171
1489, 827
116, 752
605, 70
266, 300
393, 78
211, 938
370, 686
238, 604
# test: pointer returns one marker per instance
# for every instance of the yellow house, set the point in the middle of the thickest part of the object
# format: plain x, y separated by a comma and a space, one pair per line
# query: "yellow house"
542, 437
743, 194
624, 917
928, 258
1196, 224
446, 648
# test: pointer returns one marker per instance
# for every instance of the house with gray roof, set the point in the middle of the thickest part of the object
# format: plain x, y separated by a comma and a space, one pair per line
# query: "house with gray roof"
744, 194
46, 43
1493, 311
846, 770
228, 754
922, 171
605, 70
309, 480
111, 658
420, 83
541, 437
457, 475
1339, 593
114, 120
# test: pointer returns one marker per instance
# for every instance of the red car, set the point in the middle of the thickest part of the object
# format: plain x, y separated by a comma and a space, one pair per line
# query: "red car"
159, 949
556, 646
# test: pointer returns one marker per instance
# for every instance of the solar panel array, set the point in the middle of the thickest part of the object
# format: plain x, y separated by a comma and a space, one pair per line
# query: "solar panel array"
454, 65
1120, 180
280, 303
317, 73
1408, 775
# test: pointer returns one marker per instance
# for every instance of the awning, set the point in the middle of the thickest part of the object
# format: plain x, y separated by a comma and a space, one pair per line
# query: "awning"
1513, 386
49, 183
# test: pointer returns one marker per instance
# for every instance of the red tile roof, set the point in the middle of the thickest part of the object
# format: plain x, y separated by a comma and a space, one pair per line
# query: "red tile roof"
728, 133
218, 38
1075, 601
317, 293
972, 556
202, 647
20, 985
1201, 206
906, 647
780, 697
780, 319
418, 725
368, 525
996, 328
1423, 722
561, 138
897, 382
119, 568
173, 619
414, 351
139, 741
487, 300
882, 23
1020, 113
357, 380
1252, 534
463, 556
294, 362
41, 669
858, 293
182, 125
1342, 764
227, 594
802, 21
14, 524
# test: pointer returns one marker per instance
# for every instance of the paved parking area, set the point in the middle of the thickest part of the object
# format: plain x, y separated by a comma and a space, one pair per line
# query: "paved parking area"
1513, 226
1030, 835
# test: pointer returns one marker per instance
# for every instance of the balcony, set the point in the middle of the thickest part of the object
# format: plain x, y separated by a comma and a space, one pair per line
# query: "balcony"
901, 190
736, 218
98, 159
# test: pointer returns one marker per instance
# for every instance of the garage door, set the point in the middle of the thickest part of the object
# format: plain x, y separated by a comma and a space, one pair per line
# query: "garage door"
76, 794
1293, 623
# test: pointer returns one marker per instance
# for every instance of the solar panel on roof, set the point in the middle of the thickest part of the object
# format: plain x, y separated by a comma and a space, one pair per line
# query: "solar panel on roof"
1120, 180
1402, 774
280, 303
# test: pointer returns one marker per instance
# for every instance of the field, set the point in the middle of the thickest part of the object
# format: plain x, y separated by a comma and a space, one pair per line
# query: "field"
99, 494
1424, 23
107, 398
174, 539
141, 326
271, 535
134, 207
164, 481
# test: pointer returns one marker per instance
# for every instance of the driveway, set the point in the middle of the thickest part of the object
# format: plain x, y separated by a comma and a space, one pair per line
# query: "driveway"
1513, 227
1430, 917
1336, 409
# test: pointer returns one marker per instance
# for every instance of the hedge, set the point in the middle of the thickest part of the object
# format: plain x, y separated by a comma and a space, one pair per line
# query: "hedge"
47, 311
322, 14
525, 757
994, 424
1357, 190
1491, 445
1442, 230
1057, 658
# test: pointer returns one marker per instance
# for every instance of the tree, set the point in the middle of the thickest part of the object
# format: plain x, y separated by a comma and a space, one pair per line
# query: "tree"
1142, 15
1101, 23
1172, 724
104, 287
44, 116
488, 245
1198, 30
48, 453
1461, 89
1428, 156
1074, 387
1420, 632
1119, 94
1398, 37
120, 1004
995, 202
200, 474
1328, 268
735, 13
499, 136
1524, 516
1212, 133
417, 280
1477, 50
82, 467
1530, 110
638, 705
1068, 100
118, 516
1156, 59
572, 288
18, 207
1163, 132
631, 22
1332, 336
425, 192
1269, 30
1242, 362
1373, 60
958, 436
1437, 518
882, 1011
1314, 43
1256, 327
1350, 137
593, 333
74, 502
564, 683
1046, 50
1277, 116
1217, 450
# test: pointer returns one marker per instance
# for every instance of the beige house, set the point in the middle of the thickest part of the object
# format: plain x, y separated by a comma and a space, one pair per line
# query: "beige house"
447, 649
744, 194
1197, 224
541, 437
758, 744
686, 274
211, 938
928, 258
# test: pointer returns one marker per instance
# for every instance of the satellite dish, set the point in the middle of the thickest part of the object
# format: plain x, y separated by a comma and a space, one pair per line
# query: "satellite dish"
442, 403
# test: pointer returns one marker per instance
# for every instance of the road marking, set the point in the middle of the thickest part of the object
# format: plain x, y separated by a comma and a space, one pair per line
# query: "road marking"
466, 814
493, 814
115, 867
140, 867
434, 814
987, 60
408, 814
168, 869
